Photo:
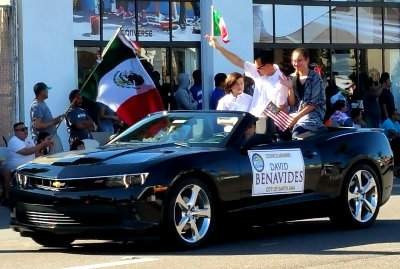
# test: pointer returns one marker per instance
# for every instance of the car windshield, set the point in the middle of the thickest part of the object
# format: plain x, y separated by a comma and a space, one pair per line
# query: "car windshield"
185, 129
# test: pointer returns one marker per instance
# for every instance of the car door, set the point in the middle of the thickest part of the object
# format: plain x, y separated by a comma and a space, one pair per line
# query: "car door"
278, 167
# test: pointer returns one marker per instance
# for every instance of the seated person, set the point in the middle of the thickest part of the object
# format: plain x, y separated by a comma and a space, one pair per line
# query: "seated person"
391, 125
357, 118
77, 145
253, 135
392, 129
340, 117
21, 150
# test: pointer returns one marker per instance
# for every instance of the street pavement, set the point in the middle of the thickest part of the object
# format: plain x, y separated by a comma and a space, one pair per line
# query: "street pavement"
299, 244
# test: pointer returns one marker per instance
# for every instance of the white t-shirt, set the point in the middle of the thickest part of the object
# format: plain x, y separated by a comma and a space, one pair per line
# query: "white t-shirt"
229, 102
14, 159
267, 89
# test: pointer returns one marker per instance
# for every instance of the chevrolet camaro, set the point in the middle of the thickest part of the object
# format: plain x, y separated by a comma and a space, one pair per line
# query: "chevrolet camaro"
181, 175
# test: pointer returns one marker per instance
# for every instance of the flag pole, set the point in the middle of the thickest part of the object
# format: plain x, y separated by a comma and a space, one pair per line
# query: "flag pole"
212, 20
102, 55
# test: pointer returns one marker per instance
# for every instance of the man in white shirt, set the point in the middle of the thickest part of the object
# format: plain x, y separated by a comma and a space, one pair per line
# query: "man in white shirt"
22, 149
266, 75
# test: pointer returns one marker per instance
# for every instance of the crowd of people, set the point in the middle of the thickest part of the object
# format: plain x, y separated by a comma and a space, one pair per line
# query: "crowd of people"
312, 104
21, 148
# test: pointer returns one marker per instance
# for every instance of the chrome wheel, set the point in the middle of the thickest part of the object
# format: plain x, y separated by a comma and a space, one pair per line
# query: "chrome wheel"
192, 213
362, 196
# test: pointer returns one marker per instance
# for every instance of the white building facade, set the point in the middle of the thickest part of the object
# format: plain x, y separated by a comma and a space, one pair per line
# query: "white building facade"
59, 41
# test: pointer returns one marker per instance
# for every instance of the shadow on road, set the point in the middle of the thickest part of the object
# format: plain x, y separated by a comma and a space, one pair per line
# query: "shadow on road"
317, 237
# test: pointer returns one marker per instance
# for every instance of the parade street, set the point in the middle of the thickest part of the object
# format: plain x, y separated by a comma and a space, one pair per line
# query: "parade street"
300, 244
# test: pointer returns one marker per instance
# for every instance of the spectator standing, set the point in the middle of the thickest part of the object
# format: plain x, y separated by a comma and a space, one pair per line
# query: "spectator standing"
372, 110
266, 75
41, 117
219, 91
249, 85
106, 118
386, 99
236, 99
78, 121
183, 98
196, 90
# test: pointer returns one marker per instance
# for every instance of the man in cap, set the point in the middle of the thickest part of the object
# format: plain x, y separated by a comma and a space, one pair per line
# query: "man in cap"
42, 119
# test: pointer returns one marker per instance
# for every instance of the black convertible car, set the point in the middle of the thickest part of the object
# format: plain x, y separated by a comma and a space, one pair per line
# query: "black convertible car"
181, 175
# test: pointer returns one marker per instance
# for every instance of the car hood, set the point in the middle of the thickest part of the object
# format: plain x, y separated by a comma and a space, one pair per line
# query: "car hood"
117, 154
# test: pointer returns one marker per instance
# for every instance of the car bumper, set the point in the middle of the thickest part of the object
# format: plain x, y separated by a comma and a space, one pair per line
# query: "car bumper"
94, 215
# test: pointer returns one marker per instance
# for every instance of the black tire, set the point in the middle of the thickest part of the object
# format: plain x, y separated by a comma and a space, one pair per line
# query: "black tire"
175, 214
53, 241
345, 212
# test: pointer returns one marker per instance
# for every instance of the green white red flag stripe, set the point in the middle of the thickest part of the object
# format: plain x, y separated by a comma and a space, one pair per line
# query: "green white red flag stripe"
218, 25
121, 82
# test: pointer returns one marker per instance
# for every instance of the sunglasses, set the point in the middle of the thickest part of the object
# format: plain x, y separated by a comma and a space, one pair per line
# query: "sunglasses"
24, 129
261, 66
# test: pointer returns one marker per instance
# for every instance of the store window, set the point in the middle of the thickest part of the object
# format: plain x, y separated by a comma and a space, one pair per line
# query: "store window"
154, 21
370, 25
263, 23
316, 24
392, 25
119, 13
343, 24
392, 66
288, 28
86, 19
344, 67
185, 17
87, 58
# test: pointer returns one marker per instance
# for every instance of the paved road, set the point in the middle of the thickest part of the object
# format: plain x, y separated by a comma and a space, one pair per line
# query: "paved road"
301, 244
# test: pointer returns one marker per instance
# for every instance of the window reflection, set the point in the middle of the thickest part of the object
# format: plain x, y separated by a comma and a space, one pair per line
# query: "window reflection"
153, 20
370, 25
86, 19
187, 16
316, 24
87, 58
344, 68
392, 65
288, 28
119, 13
343, 24
392, 25
263, 23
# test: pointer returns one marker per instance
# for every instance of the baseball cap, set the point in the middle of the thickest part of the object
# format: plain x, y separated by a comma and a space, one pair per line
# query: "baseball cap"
40, 86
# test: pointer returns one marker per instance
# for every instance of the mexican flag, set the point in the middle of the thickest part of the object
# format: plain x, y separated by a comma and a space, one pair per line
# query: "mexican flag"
219, 26
120, 82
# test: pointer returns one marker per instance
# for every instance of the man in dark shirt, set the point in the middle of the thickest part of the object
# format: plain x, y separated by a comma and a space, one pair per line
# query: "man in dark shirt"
386, 99
219, 90
78, 121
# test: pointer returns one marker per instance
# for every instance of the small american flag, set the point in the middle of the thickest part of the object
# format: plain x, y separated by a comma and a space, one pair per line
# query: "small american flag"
281, 119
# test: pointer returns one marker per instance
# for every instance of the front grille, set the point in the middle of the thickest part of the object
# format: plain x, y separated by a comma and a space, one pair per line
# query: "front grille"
49, 219
84, 184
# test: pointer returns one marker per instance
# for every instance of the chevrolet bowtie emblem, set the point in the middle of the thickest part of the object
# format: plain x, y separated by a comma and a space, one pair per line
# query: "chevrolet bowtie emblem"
58, 184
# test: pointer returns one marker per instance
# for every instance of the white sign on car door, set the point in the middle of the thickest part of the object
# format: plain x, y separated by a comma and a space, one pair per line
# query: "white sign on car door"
278, 171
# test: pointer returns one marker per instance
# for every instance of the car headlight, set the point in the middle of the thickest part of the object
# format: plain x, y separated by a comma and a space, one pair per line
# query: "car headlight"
126, 181
22, 180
